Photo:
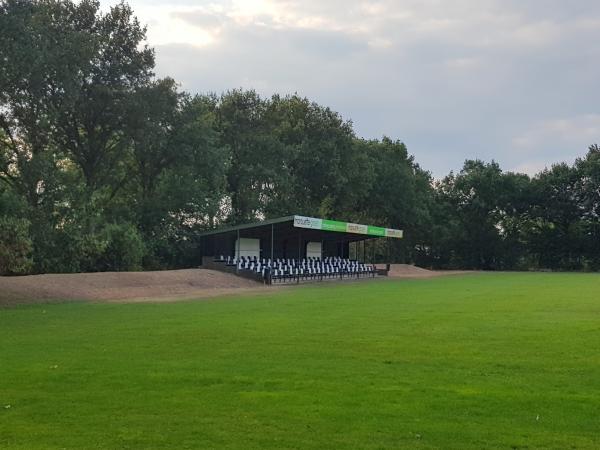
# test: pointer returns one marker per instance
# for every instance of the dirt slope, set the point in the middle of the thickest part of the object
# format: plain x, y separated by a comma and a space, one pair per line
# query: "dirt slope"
408, 271
117, 286
148, 286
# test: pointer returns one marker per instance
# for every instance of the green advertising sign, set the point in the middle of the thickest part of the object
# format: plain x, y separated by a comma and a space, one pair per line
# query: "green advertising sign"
333, 225
314, 223
375, 231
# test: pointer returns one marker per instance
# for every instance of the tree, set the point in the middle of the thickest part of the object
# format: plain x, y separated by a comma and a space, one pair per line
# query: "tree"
478, 199
69, 75
255, 155
588, 188
320, 171
15, 246
554, 235
68, 78
398, 196
188, 192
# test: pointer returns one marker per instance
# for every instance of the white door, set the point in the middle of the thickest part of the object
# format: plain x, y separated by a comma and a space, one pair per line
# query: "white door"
314, 250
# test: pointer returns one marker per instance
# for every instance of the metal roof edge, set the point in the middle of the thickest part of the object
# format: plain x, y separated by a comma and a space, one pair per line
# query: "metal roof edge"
384, 231
245, 226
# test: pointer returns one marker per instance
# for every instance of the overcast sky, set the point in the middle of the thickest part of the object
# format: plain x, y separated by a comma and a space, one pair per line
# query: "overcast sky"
512, 80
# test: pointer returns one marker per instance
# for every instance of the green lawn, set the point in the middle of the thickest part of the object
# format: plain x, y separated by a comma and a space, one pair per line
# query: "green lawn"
476, 361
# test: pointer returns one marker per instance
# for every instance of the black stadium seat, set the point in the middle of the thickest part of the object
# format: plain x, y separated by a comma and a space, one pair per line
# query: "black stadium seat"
291, 270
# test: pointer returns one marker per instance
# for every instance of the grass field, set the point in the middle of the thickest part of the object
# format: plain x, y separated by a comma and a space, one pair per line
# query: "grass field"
477, 361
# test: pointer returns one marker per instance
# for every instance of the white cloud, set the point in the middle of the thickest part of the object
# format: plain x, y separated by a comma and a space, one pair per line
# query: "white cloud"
554, 141
584, 130
512, 80
531, 167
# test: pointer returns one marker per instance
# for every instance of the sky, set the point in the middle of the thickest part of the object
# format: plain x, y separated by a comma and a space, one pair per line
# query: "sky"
516, 81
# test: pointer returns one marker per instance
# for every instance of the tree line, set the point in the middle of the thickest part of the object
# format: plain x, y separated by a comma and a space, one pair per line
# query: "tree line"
104, 166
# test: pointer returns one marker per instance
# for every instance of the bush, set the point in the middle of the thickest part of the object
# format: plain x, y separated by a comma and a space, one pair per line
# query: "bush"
113, 247
124, 248
15, 246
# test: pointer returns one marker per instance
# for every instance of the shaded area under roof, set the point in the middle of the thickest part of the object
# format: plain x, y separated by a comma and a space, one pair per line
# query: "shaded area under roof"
311, 226
288, 237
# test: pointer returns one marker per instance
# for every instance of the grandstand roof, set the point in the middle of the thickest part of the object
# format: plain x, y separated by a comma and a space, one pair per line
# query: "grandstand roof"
315, 225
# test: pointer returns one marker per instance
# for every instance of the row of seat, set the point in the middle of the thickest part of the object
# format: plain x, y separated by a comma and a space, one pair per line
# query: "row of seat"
350, 269
285, 270
245, 260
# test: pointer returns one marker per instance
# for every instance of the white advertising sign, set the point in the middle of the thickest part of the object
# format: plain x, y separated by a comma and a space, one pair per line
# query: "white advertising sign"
308, 222
390, 232
356, 228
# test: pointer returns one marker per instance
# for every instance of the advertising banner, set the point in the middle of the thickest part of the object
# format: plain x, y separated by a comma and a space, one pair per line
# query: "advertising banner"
307, 222
314, 223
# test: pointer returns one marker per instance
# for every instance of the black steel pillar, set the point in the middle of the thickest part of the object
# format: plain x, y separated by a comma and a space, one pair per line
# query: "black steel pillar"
388, 242
373, 248
272, 231
237, 263
298, 265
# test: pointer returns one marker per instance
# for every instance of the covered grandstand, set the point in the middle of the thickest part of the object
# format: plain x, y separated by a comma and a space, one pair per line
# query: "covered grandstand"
293, 248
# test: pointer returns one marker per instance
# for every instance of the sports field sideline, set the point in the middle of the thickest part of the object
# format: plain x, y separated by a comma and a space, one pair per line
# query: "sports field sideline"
468, 361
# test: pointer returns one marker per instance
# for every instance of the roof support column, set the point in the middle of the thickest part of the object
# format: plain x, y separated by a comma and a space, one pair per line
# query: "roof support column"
237, 263
201, 245
272, 244
373, 249
387, 248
